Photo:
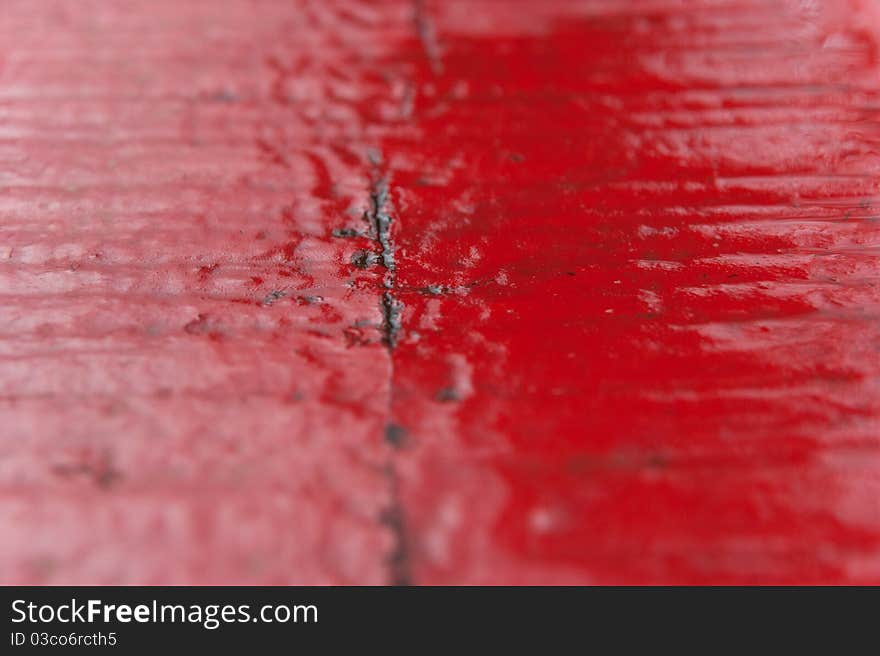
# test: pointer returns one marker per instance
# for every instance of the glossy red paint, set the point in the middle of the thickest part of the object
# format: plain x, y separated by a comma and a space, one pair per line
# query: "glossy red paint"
625, 253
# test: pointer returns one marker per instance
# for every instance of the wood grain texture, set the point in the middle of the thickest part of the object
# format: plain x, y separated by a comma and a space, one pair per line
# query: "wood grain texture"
439, 292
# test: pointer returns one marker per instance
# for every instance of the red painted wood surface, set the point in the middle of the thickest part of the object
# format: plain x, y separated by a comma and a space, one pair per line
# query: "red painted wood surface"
439, 292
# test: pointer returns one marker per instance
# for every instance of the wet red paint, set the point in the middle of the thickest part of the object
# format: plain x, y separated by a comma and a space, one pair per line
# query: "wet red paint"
636, 271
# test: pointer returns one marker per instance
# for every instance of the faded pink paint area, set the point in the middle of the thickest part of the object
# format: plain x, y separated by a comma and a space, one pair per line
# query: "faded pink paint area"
193, 383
